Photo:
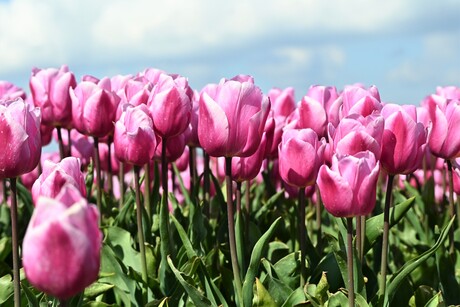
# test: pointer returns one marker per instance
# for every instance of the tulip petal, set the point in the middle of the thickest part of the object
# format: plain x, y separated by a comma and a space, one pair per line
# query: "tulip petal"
336, 193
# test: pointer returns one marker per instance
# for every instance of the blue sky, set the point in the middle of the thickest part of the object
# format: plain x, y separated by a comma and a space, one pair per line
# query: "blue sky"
405, 48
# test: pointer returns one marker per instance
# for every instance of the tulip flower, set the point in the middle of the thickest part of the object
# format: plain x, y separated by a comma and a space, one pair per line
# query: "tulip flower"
134, 137
356, 99
62, 244
56, 175
300, 156
9, 91
282, 101
20, 136
170, 105
404, 140
348, 187
93, 108
232, 118
50, 91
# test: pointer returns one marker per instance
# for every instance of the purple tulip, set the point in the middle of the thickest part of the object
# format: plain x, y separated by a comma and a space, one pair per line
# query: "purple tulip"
403, 140
20, 138
61, 248
134, 137
348, 187
300, 156
232, 118
50, 91
94, 107
55, 175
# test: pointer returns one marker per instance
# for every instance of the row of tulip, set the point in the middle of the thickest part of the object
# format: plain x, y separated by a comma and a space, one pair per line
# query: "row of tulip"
331, 146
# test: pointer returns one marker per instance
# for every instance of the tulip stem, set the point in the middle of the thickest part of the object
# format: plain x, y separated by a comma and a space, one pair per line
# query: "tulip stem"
231, 232
318, 220
206, 184
69, 143
192, 168
5, 192
109, 166
140, 230
98, 177
359, 237
61, 144
386, 230
351, 282
248, 206
451, 207
147, 190
302, 236
121, 180
239, 227
15, 243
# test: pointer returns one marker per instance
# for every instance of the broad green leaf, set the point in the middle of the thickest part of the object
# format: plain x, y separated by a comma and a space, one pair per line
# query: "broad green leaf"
6, 288
196, 296
240, 241
97, 289
446, 273
338, 299
374, 225
436, 301
412, 264
5, 247
262, 297
184, 238
255, 262
31, 298
297, 297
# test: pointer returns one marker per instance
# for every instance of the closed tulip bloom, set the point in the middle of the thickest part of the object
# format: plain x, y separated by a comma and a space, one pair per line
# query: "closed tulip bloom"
403, 140
55, 175
348, 187
247, 168
328, 97
170, 105
9, 91
443, 137
62, 244
300, 156
358, 100
312, 115
174, 147
282, 101
50, 91
93, 108
20, 138
232, 118
134, 138
448, 92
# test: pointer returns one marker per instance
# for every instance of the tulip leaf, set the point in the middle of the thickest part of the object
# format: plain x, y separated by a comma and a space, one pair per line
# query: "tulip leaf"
254, 263
6, 288
446, 273
374, 225
5, 247
398, 277
240, 241
296, 298
197, 298
262, 296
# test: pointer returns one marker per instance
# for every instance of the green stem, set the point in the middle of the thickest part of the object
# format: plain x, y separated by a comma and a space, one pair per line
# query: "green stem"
207, 184
15, 243
109, 166
239, 227
69, 143
121, 180
351, 282
140, 229
231, 232
302, 237
148, 190
248, 206
359, 237
318, 220
192, 168
386, 230
451, 207
363, 234
98, 177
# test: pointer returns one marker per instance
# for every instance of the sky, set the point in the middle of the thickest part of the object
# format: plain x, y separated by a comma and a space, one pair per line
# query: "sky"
405, 48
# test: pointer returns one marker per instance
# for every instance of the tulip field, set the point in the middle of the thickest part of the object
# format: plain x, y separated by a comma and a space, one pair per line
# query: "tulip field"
137, 190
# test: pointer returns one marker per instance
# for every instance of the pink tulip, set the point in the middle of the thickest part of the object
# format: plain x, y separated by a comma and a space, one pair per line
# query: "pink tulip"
174, 147
328, 97
300, 156
170, 105
358, 100
94, 108
443, 137
82, 146
55, 175
356, 133
403, 140
449, 92
9, 91
134, 137
191, 133
348, 187
20, 138
232, 118
247, 168
61, 248
50, 92
282, 101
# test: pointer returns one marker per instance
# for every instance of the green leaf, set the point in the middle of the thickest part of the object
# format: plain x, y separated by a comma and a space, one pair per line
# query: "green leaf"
254, 263
197, 298
97, 289
374, 225
262, 297
184, 238
446, 273
436, 301
297, 297
337, 299
31, 299
6, 288
5, 247
412, 264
